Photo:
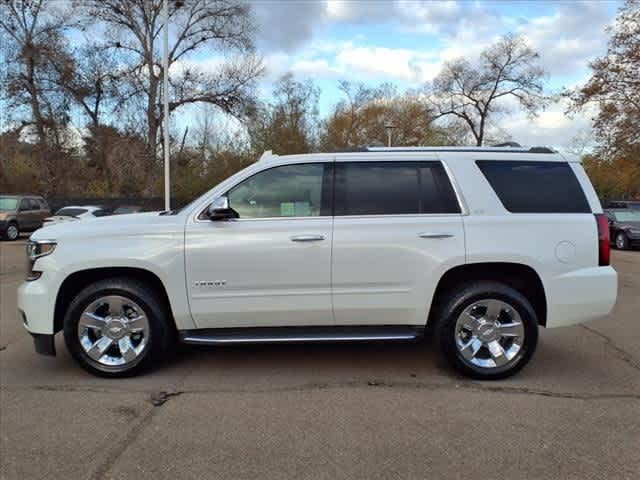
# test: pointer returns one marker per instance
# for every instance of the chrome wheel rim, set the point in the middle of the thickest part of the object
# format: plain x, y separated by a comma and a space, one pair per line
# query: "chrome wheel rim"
113, 331
489, 334
619, 241
12, 232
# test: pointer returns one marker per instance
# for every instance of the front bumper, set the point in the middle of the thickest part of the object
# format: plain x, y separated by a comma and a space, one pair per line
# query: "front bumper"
36, 302
44, 344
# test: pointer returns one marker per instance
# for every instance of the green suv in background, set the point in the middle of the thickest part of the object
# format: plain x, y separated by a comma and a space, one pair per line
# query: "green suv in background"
21, 213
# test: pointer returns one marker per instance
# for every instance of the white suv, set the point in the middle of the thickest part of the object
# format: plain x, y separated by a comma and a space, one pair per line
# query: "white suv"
479, 246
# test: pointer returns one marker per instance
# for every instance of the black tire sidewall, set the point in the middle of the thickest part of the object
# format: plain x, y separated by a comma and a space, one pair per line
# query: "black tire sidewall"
145, 298
6, 232
625, 241
445, 329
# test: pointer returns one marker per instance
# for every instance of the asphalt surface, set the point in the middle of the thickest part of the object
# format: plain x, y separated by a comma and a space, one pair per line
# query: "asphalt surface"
327, 411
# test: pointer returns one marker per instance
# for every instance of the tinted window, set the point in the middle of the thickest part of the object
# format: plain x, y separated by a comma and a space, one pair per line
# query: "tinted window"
101, 213
25, 205
287, 191
392, 188
535, 187
71, 212
123, 210
437, 193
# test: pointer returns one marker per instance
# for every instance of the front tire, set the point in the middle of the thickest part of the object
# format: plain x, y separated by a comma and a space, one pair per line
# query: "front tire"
622, 242
12, 232
117, 327
487, 330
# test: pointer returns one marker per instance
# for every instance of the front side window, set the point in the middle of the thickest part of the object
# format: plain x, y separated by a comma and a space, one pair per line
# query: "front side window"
286, 191
393, 188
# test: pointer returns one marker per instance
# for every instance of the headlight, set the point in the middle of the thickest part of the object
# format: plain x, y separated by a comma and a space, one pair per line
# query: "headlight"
35, 250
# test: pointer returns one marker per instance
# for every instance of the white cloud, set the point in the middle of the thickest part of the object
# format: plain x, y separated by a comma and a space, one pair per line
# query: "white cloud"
550, 128
572, 35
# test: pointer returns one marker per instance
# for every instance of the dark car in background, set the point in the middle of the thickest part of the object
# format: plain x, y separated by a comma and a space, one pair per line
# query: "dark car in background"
624, 227
21, 213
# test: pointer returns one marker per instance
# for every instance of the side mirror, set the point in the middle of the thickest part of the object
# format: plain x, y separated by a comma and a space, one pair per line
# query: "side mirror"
220, 210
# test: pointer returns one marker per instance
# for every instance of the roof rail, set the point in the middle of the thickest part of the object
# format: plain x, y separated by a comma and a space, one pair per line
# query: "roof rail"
502, 148
508, 144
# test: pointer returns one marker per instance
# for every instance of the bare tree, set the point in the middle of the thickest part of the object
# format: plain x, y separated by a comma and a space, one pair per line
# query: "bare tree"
89, 75
476, 92
33, 42
134, 28
288, 124
32, 34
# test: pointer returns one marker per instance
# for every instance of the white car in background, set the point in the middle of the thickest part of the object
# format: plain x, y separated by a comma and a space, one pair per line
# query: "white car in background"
75, 213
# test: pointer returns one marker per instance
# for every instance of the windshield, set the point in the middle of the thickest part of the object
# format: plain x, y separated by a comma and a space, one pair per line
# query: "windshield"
628, 216
70, 212
8, 204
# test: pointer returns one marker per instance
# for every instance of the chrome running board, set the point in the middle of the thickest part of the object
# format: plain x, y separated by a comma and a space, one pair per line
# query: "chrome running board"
227, 336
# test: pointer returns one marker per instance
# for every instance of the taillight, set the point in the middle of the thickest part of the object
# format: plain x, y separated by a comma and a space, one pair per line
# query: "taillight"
604, 241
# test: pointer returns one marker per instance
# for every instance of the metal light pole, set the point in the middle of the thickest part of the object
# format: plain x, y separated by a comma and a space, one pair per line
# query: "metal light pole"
165, 89
388, 127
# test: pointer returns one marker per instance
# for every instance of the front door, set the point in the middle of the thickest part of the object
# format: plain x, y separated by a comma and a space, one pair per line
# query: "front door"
397, 228
271, 266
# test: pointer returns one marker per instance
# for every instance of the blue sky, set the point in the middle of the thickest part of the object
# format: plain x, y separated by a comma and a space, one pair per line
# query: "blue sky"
406, 41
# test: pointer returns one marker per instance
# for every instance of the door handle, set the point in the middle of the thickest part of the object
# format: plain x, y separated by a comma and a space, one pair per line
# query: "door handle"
435, 235
307, 238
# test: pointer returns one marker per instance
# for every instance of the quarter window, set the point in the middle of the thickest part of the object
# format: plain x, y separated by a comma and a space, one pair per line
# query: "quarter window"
393, 188
535, 187
286, 191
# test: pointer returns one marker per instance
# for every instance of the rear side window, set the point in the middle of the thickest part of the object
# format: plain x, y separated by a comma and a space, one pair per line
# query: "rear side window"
393, 188
535, 187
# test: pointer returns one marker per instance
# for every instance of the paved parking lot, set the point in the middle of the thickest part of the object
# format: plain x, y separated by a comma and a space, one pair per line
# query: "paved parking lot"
327, 411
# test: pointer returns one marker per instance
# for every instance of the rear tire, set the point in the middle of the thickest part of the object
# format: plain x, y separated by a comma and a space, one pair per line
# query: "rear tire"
486, 330
118, 327
622, 242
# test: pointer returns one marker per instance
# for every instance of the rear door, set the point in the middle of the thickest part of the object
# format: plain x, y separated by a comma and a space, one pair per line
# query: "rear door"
27, 215
397, 228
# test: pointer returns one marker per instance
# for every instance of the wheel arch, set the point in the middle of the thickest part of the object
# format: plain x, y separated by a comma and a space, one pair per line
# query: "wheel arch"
517, 275
78, 280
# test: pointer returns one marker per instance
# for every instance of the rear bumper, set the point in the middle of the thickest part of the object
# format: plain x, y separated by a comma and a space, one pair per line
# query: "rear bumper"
581, 296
